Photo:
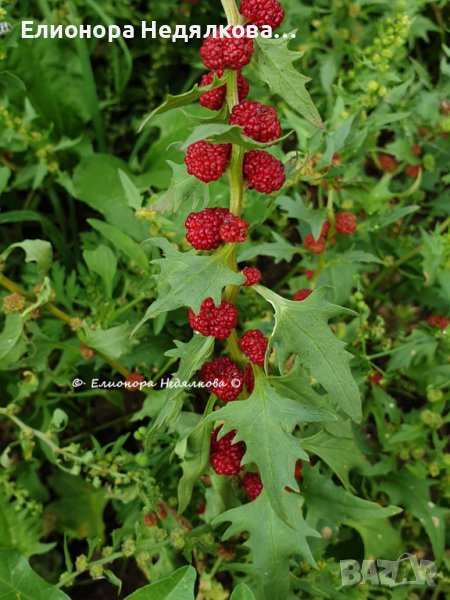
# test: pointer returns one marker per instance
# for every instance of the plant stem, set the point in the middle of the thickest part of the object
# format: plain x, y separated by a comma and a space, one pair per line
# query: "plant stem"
61, 316
231, 12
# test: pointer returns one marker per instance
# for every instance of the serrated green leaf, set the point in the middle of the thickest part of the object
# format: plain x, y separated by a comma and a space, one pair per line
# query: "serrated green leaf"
411, 491
302, 328
331, 505
278, 250
220, 133
20, 530
336, 445
192, 355
376, 222
38, 251
188, 279
272, 542
265, 422
122, 241
180, 100
183, 188
275, 66
296, 209
18, 581
179, 586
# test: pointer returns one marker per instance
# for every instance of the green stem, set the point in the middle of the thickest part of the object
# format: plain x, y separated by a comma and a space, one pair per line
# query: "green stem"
231, 12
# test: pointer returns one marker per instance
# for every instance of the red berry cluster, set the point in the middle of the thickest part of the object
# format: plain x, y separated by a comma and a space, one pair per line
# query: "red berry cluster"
226, 378
225, 456
210, 227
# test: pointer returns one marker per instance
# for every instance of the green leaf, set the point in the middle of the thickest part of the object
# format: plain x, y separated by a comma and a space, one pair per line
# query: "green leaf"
412, 491
103, 262
379, 537
19, 582
336, 445
278, 250
265, 422
20, 530
5, 174
180, 100
272, 542
220, 133
132, 194
331, 505
192, 355
302, 328
10, 335
377, 222
194, 452
296, 209
187, 279
112, 342
105, 194
275, 66
38, 251
242, 592
183, 189
79, 508
122, 241
179, 586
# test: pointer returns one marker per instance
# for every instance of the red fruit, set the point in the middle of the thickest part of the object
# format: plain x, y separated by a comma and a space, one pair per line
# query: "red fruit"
345, 223
438, 321
412, 171
254, 345
388, 162
309, 274
252, 275
252, 484
415, 149
225, 457
262, 12
217, 321
206, 161
375, 378
133, 381
249, 379
227, 377
214, 99
298, 469
260, 122
204, 228
222, 53
151, 519
302, 294
263, 171
86, 352
233, 229
315, 246
325, 228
